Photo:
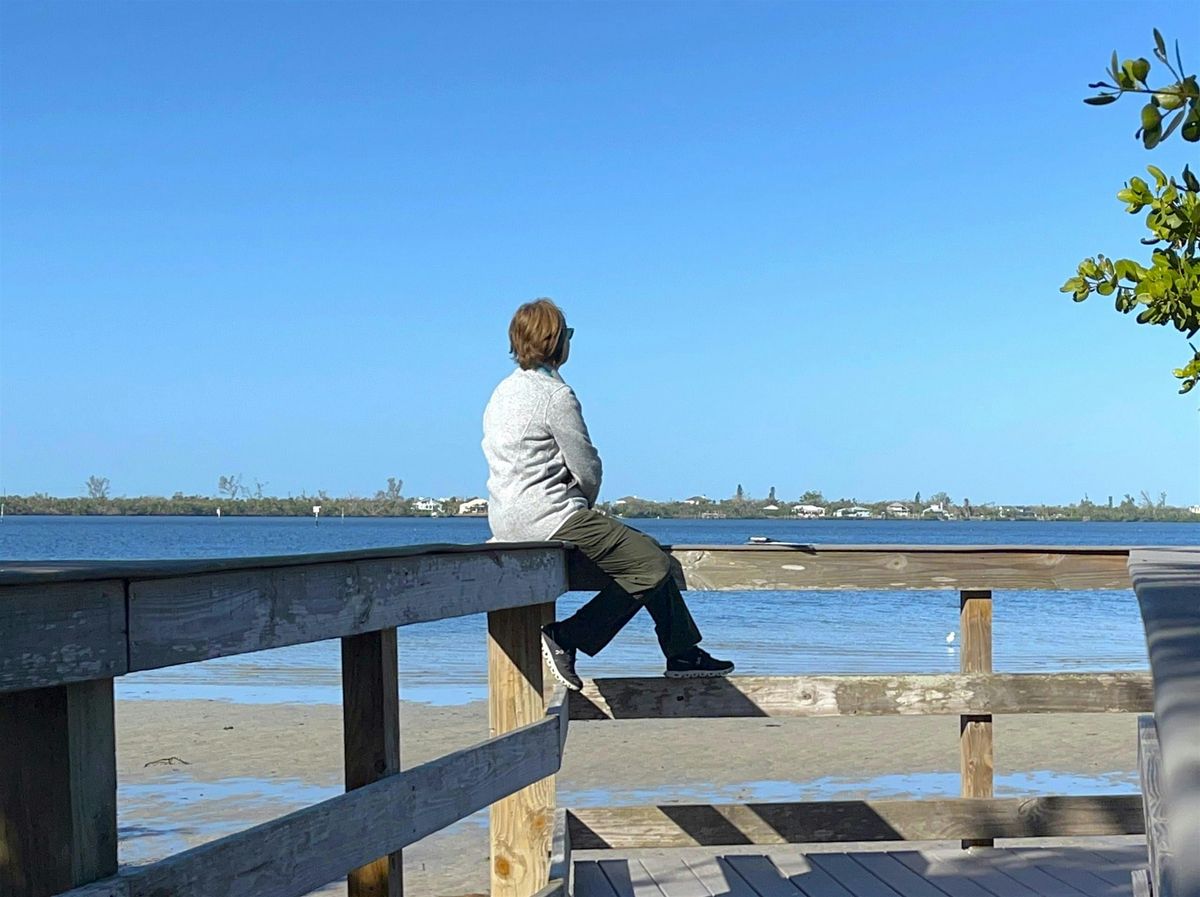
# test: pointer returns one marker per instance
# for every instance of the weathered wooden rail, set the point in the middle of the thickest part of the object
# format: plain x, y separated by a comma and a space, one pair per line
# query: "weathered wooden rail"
67, 629
1167, 583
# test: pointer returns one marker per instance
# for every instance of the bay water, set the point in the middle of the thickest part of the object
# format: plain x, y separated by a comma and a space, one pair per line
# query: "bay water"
764, 632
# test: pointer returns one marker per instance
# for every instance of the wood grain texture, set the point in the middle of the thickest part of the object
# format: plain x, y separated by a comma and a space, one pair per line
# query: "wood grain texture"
691, 825
522, 823
975, 737
560, 851
1154, 807
44, 572
558, 706
858, 567
58, 788
1167, 584
180, 620
371, 740
293, 855
656, 697
1140, 882
57, 633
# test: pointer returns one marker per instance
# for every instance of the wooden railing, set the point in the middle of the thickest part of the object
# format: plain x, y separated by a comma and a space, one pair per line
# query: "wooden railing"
974, 695
1168, 590
67, 629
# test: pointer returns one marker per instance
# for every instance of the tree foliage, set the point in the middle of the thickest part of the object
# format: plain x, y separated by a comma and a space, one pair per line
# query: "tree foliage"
97, 487
1167, 291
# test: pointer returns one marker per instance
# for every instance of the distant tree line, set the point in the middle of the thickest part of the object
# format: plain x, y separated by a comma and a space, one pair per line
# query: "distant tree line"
938, 506
234, 498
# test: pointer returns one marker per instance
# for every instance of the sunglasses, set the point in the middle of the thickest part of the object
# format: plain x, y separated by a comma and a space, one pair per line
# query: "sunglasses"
570, 331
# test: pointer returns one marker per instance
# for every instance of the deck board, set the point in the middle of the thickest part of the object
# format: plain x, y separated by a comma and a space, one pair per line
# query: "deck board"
715, 873
764, 876
1059, 871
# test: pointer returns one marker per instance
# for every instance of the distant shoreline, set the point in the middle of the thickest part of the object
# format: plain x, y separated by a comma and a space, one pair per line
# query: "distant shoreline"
835, 521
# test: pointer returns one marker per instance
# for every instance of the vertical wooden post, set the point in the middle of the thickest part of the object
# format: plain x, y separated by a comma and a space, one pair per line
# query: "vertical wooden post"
522, 824
371, 739
975, 731
58, 788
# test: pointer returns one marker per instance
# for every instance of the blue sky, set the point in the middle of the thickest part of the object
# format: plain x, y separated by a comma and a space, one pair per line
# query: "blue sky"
803, 245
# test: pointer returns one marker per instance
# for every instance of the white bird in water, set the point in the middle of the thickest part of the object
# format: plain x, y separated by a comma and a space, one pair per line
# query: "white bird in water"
950, 639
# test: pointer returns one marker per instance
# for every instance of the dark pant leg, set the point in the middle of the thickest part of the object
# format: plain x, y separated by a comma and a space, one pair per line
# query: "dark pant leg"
641, 573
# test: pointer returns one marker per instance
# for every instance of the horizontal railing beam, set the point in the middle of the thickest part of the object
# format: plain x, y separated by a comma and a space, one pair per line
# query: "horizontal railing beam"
55, 635
883, 567
180, 620
712, 825
297, 853
792, 696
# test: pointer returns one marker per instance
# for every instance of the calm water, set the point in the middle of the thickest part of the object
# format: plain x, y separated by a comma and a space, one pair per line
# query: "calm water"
764, 632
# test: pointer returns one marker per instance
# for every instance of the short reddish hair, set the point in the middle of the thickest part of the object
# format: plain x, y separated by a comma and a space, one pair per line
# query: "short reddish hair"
535, 334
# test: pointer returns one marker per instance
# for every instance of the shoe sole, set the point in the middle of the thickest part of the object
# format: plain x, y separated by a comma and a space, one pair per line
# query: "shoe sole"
549, 658
697, 674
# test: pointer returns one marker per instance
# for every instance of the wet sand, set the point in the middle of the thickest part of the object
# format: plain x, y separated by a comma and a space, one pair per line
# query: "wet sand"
190, 771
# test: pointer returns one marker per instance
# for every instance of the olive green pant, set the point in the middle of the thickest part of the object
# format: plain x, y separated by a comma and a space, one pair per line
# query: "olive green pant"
641, 573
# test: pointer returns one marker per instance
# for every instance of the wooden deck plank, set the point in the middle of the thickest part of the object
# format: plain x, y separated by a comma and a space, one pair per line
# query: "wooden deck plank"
767, 879
674, 877
1058, 871
897, 875
964, 879
1076, 872
715, 873
1035, 878
813, 881
629, 879
1104, 866
590, 880
853, 876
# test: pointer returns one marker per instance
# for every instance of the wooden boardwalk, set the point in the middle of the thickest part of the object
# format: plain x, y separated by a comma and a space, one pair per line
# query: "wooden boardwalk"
1102, 870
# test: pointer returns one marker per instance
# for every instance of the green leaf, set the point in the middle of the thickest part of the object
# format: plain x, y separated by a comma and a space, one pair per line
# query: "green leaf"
1103, 100
1191, 127
1159, 43
1105, 288
1172, 100
1140, 69
1159, 178
1174, 123
1190, 180
1151, 117
1116, 68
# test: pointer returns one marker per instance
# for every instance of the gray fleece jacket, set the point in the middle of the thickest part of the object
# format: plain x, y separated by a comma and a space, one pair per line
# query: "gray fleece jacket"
542, 466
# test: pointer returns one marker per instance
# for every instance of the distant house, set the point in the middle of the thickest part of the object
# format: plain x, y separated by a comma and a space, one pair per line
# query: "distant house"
429, 505
770, 507
475, 507
808, 511
855, 511
698, 500
896, 509
1194, 509
937, 510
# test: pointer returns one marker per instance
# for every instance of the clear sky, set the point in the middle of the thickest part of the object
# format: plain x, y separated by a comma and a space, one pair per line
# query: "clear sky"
803, 245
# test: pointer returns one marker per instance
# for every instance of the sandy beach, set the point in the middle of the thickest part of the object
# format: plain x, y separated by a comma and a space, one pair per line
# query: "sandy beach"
191, 771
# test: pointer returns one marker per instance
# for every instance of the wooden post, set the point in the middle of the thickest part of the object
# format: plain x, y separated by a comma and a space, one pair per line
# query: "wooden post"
58, 788
975, 731
522, 824
371, 738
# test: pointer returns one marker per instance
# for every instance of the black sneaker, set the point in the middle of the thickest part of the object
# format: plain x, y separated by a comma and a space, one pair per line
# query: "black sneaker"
696, 663
560, 660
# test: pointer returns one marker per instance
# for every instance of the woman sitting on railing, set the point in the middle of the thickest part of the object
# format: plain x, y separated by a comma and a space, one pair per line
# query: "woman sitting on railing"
544, 478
